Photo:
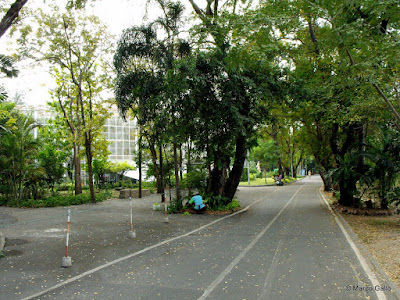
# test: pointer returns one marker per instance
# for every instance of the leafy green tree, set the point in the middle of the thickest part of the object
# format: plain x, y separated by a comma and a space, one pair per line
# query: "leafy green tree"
120, 168
143, 61
342, 60
100, 167
52, 156
12, 11
266, 153
250, 80
75, 45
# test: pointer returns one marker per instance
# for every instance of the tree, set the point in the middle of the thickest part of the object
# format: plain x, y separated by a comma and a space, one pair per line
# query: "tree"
75, 46
339, 55
52, 156
120, 168
383, 152
266, 153
11, 15
17, 156
13, 11
143, 62
100, 167
250, 81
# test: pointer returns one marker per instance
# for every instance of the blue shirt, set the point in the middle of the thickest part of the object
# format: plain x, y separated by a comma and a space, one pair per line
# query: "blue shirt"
198, 202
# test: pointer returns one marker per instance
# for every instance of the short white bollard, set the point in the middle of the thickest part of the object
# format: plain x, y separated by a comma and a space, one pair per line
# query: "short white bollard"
166, 219
132, 233
67, 261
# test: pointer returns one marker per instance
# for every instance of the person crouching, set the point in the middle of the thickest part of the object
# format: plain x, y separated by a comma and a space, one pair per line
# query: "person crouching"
199, 206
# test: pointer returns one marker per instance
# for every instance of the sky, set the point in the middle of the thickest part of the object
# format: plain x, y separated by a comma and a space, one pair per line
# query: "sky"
34, 83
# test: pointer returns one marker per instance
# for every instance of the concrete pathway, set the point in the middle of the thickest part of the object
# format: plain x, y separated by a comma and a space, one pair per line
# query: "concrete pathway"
286, 244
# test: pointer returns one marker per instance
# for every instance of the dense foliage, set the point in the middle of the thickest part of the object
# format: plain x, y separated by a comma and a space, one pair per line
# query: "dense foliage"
296, 84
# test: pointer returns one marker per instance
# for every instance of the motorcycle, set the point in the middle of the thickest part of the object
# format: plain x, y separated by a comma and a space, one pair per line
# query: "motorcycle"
278, 181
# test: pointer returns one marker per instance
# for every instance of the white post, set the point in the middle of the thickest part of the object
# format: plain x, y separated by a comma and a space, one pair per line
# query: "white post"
248, 168
132, 233
67, 261
166, 219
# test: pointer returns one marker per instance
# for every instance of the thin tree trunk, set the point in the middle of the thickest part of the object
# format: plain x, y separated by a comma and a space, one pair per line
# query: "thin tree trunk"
189, 168
180, 163
161, 171
89, 158
236, 173
77, 171
160, 187
140, 162
176, 167
392, 108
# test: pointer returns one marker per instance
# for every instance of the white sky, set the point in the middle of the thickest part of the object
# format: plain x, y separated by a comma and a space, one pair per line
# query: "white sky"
116, 14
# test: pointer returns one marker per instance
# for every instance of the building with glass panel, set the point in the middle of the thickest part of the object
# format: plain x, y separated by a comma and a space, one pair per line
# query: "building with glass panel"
122, 134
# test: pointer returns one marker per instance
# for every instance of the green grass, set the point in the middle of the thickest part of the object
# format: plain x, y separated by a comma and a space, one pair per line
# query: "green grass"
261, 181
257, 181
383, 222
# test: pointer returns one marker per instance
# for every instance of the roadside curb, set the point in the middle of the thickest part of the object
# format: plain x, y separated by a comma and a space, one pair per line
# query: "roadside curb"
376, 266
2, 243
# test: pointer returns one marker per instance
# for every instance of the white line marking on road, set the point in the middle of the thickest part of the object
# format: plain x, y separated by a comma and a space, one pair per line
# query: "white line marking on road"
73, 279
274, 265
221, 276
380, 294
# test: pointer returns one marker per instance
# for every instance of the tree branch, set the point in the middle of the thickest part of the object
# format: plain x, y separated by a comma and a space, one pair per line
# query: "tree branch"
394, 111
11, 15
313, 37
198, 10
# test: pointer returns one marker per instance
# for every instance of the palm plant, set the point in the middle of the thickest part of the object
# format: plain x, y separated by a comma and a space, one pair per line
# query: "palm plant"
385, 155
347, 175
17, 155
8, 69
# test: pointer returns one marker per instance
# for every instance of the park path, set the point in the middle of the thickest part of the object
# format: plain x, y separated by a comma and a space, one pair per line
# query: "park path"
285, 245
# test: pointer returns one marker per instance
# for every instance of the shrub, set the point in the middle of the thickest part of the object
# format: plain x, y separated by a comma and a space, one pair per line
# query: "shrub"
195, 180
175, 206
216, 202
59, 200
233, 205
3, 200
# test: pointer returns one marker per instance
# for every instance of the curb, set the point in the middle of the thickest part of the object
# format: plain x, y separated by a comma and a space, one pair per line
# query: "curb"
2, 243
376, 266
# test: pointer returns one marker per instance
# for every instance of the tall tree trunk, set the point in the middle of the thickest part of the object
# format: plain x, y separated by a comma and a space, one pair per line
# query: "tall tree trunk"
346, 185
89, 158
326, 179
157, 173
189, 167
77, 171
180, 163
236, 173
176, 167
140, 162
215, 178
161, 171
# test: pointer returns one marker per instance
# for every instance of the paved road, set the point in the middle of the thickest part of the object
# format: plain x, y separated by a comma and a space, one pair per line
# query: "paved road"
286, 245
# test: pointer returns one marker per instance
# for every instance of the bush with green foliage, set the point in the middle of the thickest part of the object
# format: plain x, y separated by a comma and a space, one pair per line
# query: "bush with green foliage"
216, 202
57, 200
195, 180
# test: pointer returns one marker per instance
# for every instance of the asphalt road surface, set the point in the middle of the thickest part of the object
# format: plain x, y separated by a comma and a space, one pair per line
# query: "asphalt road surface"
285, 245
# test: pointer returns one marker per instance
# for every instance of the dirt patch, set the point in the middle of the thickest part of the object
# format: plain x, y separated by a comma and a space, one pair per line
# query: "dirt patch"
215, 212
379, 231
363, 211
